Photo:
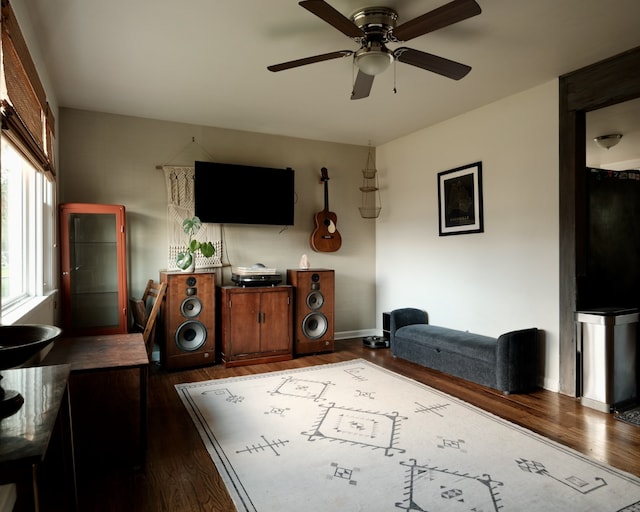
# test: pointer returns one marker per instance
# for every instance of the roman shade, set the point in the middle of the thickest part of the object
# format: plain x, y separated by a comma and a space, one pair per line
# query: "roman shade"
27, 118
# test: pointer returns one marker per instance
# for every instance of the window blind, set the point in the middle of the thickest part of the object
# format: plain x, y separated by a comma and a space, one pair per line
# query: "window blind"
26, 117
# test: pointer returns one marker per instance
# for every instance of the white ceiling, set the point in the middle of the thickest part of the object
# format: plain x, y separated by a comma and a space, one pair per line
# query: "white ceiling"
204, 61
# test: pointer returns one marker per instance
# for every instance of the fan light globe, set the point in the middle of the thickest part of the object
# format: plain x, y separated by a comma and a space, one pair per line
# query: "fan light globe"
373, 62
608, 141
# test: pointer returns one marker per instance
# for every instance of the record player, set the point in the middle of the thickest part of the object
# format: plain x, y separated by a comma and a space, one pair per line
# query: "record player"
256, 279
256, 275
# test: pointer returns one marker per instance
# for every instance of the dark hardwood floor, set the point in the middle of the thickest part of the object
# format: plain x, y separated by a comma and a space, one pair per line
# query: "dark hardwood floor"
179, 476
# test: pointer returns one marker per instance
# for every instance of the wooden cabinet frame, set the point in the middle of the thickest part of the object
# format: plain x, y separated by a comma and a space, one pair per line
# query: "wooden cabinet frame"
93, 280
256, 324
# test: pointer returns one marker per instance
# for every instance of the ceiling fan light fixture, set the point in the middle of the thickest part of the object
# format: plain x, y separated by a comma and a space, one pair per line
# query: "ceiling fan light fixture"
373, 60
608, 141
373, 27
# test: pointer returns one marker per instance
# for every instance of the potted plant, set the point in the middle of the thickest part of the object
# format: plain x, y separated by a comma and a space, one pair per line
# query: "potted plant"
186, 260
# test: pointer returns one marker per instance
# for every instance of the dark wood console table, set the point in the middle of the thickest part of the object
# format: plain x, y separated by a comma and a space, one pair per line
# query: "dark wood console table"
256, 324
25, 435
87, 354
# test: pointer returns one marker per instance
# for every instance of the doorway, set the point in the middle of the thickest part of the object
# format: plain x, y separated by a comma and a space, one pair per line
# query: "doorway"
613, 210
600, 85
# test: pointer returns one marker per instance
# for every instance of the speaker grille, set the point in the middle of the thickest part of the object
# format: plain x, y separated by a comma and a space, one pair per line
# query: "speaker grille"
314, 325
191, 336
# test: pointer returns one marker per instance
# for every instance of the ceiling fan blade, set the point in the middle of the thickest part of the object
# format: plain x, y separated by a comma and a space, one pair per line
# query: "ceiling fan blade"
440, 65
448, 14
362, 87
309, 60
334, 18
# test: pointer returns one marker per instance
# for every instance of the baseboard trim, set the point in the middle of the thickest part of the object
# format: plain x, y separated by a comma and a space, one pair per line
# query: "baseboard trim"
345, 335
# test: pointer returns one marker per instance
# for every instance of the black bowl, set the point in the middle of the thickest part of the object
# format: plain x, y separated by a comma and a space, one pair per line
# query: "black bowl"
18, 343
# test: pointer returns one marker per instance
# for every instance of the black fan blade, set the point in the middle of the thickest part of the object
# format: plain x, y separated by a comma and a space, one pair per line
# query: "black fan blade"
334, 18
440, 65
309, 60
441, 17
362, 87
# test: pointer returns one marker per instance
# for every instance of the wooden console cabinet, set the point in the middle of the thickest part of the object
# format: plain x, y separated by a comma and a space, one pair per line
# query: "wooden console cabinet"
256, 324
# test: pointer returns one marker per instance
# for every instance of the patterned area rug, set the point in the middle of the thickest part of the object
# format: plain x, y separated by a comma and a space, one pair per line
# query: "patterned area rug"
354, 436
631, 416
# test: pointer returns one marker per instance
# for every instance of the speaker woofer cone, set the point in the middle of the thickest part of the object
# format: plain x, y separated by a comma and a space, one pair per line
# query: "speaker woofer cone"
315, 325
191, 336
315, 300
191, 307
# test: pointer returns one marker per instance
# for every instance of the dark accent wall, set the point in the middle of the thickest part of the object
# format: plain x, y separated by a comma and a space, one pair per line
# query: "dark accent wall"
612, 277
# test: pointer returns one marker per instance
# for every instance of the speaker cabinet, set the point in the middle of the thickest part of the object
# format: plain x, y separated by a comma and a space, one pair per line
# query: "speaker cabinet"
188, 314
386, 326
314, 309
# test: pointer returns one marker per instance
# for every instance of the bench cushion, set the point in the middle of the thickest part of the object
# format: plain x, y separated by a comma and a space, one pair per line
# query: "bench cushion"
508, 363
441, 339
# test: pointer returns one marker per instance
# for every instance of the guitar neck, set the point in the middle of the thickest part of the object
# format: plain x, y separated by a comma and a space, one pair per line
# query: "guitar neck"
326, 195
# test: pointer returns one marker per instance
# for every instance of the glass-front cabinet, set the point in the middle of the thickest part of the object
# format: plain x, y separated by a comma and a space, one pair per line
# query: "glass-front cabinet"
94, 268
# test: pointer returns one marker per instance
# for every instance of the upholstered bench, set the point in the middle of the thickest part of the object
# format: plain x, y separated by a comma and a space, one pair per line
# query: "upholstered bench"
508, 363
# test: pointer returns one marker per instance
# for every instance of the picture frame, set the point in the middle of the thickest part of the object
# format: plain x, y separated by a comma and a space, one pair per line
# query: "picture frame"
460, 200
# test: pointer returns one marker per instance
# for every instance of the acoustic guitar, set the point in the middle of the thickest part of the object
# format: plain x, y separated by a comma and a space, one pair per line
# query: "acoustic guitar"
325, 236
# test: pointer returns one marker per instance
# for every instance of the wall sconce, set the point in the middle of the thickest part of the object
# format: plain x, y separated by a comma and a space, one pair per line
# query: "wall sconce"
608, 141
371, 206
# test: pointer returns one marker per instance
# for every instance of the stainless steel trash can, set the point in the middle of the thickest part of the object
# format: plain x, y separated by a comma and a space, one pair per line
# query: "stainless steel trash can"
607, 356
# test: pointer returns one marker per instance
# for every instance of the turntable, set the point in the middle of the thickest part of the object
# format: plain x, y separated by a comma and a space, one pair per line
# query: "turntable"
256, 275
256, 279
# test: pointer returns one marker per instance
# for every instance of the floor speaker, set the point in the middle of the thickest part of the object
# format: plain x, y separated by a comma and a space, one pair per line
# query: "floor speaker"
188, 315
313, 314
386, 326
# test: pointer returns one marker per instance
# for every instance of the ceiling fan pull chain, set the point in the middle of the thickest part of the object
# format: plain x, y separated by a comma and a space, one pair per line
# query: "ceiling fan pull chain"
353, 77
395, 91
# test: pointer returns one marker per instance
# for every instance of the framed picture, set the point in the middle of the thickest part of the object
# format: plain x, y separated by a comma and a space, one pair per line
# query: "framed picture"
460, 200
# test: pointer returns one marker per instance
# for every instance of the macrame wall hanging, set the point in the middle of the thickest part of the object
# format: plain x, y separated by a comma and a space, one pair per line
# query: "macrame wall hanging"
180, 181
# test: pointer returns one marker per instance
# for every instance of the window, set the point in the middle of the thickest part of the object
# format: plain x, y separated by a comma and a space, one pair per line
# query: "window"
27, 203
27, 240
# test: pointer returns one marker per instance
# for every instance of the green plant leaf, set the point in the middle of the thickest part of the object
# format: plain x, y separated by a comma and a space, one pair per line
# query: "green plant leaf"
207, 249
194, 245
191, 225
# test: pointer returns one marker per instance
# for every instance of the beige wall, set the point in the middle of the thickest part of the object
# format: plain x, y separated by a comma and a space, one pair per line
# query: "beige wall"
505, 278
112, 159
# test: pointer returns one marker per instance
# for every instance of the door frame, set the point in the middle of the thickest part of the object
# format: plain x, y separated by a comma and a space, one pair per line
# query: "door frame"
600, 85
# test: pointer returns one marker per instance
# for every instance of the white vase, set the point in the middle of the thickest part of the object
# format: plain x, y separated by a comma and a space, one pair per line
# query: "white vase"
183, 258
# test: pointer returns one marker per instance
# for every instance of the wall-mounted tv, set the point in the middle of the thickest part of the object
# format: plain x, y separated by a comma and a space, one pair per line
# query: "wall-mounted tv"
242, 194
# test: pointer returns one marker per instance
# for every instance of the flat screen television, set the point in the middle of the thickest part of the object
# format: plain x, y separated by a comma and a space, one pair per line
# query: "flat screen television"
243, 194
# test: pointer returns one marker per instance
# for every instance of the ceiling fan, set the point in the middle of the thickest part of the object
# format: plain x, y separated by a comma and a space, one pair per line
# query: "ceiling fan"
373, 27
